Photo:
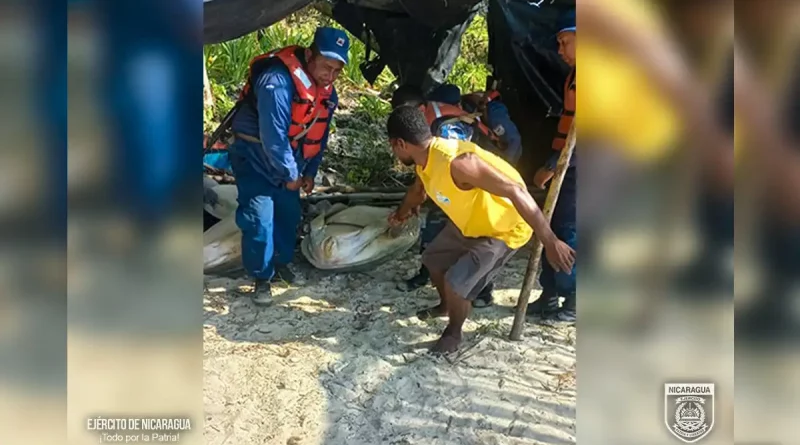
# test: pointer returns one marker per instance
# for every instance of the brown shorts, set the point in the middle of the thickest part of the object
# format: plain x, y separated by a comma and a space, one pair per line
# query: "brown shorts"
468, 263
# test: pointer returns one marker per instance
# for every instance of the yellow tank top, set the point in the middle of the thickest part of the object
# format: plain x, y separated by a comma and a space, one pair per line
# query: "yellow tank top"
477, 213
616, 102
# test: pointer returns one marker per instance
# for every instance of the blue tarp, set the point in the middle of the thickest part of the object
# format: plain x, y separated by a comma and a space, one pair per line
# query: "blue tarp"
218, 159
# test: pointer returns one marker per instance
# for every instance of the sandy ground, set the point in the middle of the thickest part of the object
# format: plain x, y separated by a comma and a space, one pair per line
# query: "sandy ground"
340, 360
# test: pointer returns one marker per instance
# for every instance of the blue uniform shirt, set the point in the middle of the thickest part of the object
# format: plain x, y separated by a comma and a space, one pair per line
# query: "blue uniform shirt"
499, 121
274, 158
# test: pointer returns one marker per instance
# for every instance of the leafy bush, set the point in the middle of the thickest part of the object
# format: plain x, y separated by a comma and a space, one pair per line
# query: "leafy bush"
372, 108
471, 67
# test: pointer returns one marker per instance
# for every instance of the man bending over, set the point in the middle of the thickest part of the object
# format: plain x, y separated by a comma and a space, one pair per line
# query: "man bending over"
490, 210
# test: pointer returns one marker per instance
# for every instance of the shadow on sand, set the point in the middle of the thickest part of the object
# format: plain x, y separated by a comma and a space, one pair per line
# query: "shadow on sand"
378, 384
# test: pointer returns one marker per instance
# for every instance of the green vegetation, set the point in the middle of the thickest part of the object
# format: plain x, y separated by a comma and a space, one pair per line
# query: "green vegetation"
470, 70
358, 147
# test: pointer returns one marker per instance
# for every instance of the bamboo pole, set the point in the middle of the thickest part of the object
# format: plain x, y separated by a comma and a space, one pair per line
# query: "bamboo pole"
532, 273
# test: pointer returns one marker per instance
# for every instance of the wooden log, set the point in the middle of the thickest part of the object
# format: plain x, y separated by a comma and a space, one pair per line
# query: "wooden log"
532, 272
357, 189
351, 197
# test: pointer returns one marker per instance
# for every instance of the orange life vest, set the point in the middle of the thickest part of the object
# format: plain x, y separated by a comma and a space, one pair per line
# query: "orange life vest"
311, 105
565, 122
437, 113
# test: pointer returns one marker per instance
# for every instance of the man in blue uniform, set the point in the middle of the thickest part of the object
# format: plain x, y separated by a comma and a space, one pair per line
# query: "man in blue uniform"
281, 131
561, 284
496, 118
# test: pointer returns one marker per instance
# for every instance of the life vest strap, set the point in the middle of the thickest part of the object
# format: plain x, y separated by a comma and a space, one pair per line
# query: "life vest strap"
436, 110
255, 140
313, 141
468, 118
247, 137
308, 127
300, 100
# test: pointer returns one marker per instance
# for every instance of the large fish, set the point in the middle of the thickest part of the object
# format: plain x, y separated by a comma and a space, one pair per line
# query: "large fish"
355, 237
340, 238
222, 242
222, 247
219, 199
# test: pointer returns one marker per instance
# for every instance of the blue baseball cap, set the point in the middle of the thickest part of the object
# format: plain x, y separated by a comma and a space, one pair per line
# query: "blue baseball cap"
446, 93
332, 43
567, 22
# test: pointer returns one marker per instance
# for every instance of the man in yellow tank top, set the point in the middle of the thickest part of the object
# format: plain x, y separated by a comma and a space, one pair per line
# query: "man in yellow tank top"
490, 210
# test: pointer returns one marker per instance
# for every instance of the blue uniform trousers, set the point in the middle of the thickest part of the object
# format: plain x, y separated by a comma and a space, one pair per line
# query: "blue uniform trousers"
563, 224
268, 216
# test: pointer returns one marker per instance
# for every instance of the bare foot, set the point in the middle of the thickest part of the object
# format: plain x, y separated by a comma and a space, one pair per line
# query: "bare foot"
432, 312
447, 344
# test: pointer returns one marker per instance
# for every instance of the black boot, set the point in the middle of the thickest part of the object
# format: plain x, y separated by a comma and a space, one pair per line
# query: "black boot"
568, 312
420, 279
262, 293
545, 307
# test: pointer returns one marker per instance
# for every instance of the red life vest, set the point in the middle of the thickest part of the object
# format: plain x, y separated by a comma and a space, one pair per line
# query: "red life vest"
219, 145
437, 112
565, 122
311, 105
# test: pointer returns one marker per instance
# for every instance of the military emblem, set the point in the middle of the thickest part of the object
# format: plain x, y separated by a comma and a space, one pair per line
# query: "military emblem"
689, 410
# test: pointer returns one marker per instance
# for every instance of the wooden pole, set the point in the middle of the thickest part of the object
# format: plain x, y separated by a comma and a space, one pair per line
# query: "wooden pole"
532, 273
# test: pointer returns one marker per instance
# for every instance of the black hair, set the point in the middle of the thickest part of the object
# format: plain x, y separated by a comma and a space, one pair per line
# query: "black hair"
407, 95
408, 123
314, 50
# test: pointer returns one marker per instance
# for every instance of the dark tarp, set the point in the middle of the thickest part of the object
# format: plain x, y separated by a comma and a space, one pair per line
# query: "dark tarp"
523, 53
225, 20
419, 40
421, 46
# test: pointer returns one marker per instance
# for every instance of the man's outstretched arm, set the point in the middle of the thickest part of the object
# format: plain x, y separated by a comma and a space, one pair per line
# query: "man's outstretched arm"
414, 198
469, 171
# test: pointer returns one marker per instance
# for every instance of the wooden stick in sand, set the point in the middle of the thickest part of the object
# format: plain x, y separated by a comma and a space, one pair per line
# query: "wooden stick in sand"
532, 273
